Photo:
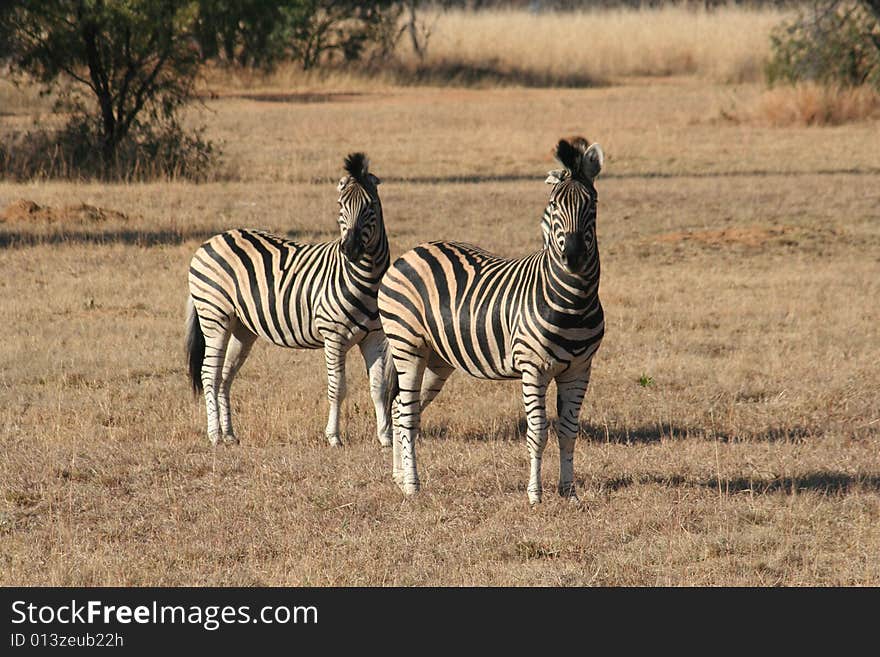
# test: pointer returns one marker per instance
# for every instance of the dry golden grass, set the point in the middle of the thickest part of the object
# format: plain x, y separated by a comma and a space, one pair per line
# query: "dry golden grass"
728, 44
268, 135
23, 100
740, 273
813, 104
518, 48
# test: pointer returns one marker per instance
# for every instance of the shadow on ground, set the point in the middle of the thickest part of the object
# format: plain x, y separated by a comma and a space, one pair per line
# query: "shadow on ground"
300, 97
134, 237
514, 429
477, 179
823, 482
454, 73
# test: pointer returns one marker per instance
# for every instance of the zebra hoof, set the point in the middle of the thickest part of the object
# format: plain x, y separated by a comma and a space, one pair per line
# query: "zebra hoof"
334, 441
230, 439
568, 491
385, 441
397, 477
411, 488
213, 439
534, 498
574, 502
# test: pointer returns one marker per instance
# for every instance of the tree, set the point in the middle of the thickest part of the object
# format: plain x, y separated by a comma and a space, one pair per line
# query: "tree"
260, 33
419, 31
321, 30
135, 61
244, 32
829, 41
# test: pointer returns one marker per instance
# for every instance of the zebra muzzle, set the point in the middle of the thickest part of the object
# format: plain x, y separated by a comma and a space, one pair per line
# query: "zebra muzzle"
352, 247
573, 252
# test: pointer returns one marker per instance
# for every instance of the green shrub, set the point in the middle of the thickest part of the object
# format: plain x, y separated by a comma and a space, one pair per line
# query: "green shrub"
124, 71
831, 42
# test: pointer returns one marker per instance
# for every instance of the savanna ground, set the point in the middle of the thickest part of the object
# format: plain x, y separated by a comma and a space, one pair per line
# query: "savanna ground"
731, 433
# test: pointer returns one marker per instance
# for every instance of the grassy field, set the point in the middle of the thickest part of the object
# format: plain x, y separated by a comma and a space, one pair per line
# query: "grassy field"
731, 434
728, 44
589, 48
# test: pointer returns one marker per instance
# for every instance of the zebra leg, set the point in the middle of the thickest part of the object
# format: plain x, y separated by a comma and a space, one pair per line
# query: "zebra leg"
570, 391
396, 444
216, 339
374, 350
410, 373
436, 374
334, 355
240, 343
534, 388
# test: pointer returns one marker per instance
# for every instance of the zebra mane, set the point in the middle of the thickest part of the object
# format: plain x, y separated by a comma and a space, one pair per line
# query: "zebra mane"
571, 153
357, 165
581, 160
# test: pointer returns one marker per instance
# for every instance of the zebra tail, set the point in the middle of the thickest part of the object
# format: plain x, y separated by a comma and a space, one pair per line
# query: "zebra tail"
195, 347
392, 387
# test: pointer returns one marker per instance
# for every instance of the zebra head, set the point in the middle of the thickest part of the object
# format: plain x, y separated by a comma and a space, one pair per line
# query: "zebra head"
360, 212
571, 234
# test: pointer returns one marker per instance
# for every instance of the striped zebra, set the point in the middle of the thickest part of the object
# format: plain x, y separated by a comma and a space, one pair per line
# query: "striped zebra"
448, 305
246, 284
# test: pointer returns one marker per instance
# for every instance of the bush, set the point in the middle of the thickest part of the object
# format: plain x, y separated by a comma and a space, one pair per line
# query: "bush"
125, 69
834, 42
147, 152
259, 34
808, 103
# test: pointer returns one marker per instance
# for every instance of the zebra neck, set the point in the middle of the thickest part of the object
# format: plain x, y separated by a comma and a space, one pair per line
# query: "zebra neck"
372, 265
577, 294
380, 254
378, 257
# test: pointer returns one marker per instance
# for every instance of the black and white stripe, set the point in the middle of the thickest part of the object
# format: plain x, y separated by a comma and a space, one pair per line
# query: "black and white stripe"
579, 143
448, 305
246, 284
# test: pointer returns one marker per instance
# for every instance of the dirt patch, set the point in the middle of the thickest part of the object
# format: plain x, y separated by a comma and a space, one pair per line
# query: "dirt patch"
745, 235
25, 211
752, 239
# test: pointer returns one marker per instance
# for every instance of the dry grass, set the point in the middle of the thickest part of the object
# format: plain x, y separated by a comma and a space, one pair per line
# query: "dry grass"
803, 104
729, 44
24, 100
813, 104
740, 273
518, 48
464, 134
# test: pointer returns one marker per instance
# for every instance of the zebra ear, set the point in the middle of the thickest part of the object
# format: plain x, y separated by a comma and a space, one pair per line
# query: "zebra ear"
592, 161
554, 177
341, 184
373, 179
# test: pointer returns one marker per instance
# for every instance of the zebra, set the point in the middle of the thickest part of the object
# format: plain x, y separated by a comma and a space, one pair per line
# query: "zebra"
245, 284
450, 305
